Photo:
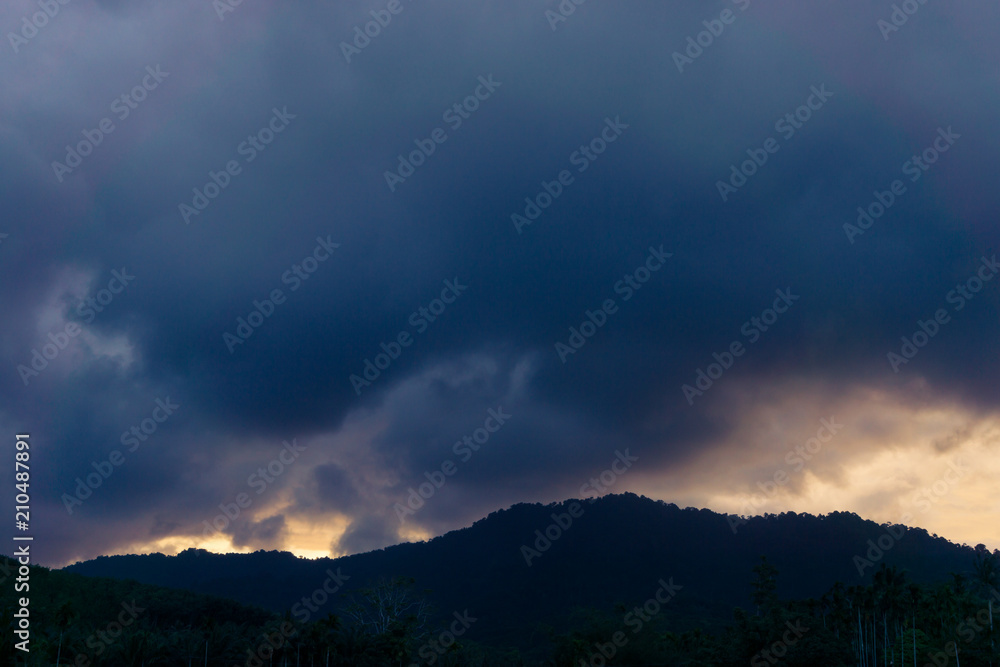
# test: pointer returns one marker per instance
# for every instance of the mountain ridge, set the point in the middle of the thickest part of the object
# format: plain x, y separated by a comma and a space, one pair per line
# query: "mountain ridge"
610, 551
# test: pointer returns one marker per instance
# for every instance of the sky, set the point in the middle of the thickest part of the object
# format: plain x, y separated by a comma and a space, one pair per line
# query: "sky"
338, 275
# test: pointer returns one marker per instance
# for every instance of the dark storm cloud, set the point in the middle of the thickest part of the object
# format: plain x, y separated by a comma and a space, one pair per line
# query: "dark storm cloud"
335, 487
259, 534
322, 177
365, 533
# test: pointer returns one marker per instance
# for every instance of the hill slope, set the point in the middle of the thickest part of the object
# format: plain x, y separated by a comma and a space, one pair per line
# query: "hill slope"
616, 551
95, 621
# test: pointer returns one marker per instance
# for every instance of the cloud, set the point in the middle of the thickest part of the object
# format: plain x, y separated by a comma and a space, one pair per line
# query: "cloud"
366, 533
336, 490
268, 533
323, 176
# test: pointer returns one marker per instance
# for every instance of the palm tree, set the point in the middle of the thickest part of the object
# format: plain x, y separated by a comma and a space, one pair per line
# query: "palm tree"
987, 578
764, 584
893, 586
948, 601
860, 598
864, 599
839, 606
915, 594
65, 615
184, 644
321, 634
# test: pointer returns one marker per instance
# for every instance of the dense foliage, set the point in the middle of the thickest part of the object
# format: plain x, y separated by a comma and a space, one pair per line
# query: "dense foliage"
890, 622
83, 621
631, 582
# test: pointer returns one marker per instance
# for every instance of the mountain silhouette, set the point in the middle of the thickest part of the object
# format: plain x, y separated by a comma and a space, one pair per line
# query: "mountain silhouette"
612, 550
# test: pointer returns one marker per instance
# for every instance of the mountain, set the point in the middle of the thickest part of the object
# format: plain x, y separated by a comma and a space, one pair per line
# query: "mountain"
613, 550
